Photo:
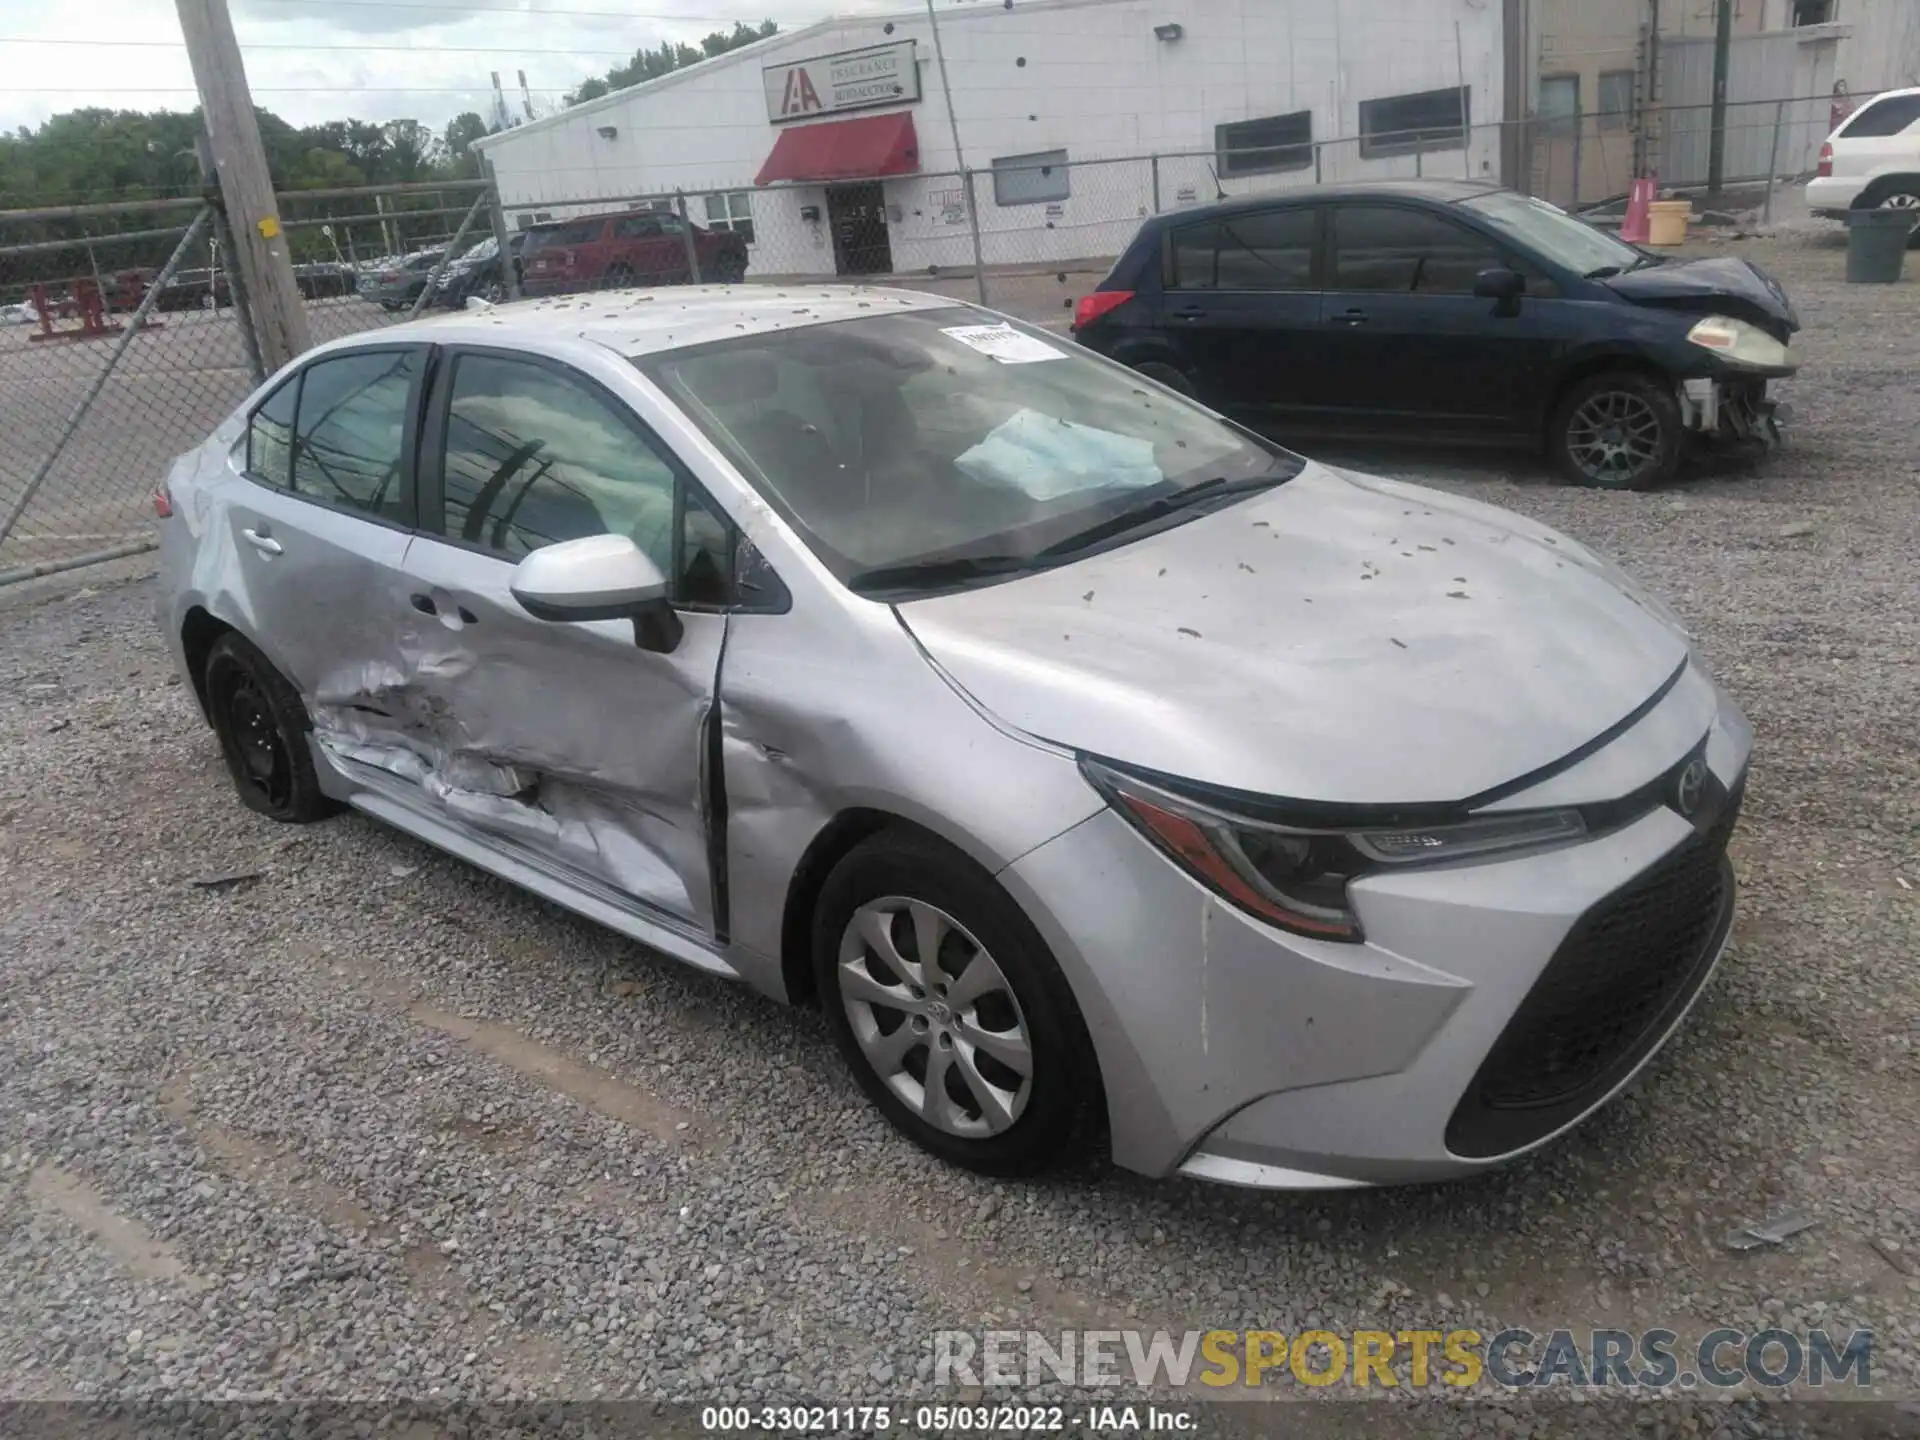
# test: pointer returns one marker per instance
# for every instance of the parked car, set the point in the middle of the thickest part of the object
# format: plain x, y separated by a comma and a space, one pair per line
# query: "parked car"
478, 272
1307, 828
397, 284
197, 288
641, 247
1450, 309
325, 279
1872, 160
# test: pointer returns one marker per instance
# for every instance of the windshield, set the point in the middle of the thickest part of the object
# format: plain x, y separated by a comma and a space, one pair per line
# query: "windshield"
485, 250
928, 437
1554, 234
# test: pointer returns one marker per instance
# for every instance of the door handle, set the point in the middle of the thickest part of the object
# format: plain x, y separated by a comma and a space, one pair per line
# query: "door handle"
262, 542
424, 604
1354, 316
1192, 312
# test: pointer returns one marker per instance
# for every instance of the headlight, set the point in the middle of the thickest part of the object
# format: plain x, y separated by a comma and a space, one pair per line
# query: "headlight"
1296, 877
1738, 342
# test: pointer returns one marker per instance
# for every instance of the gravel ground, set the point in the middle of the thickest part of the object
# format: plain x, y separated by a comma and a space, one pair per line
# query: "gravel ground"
364, 1122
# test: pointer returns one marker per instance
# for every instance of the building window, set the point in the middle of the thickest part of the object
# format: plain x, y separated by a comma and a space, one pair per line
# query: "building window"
1559, 105
1407, 124
732, 211
1256, 147
1031, 179
1812, 12
1616, 99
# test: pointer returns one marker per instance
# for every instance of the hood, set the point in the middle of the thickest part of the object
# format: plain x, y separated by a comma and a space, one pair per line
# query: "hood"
1722, 285
1339, 639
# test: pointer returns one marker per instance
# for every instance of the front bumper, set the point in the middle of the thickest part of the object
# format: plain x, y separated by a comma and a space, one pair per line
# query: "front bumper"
1734, 409
1234, 1052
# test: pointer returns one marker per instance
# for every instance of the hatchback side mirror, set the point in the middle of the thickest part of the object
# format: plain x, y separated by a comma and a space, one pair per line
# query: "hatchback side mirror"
1506, 286
599, 577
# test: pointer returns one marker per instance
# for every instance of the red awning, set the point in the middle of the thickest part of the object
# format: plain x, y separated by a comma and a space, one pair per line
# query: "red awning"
859, 149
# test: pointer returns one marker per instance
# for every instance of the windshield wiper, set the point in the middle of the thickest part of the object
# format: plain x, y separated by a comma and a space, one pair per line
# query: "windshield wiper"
933, 573
1160, 505
1605, 272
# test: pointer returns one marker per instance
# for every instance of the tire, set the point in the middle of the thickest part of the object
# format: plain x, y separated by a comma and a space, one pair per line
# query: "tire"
1619, 430
390, 306
1901, 195
494, 292
263, 731
1174, 380
892, 885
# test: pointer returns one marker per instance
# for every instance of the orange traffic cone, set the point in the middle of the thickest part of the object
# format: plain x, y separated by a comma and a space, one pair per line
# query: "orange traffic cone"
1634, 229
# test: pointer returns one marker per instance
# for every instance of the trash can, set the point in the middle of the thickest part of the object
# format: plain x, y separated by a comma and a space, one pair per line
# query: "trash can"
1877, 245
1667, 222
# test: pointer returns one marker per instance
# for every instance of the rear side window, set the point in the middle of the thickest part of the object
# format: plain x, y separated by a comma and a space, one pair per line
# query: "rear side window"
1890, 116
349, 442
1382, 247
636, 227
1266, 250
270, 435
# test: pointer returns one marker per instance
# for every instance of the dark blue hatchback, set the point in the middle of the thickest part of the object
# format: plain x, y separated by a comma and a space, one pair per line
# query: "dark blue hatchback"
1450, 309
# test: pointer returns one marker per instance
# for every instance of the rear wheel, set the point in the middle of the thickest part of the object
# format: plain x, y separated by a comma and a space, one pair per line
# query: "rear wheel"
1174, 380
948, 1008
1617, 431
1902, 195
263, 734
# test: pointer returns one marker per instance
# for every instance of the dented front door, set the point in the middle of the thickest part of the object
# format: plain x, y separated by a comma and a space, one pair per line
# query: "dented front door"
565, 738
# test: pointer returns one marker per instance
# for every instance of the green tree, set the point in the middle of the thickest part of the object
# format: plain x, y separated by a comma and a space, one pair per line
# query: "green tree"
457, 140
652, 64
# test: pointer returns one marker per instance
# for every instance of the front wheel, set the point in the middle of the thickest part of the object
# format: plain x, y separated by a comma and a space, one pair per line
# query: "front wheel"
948, 1008
1617, 431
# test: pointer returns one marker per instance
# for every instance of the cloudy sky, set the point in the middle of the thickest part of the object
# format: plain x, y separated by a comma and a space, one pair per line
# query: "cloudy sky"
311, 60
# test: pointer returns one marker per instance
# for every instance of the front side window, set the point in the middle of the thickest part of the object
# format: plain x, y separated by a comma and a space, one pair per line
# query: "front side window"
1408, 124
1382, 247
349, 442
929, 437
533, 458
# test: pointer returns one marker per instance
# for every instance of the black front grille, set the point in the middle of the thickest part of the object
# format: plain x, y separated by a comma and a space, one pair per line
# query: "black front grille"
1624, 971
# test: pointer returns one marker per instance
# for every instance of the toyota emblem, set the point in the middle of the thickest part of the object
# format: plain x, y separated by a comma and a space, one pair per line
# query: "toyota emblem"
1690, 787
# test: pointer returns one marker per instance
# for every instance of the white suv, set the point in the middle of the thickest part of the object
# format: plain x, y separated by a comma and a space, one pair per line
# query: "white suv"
1873, 159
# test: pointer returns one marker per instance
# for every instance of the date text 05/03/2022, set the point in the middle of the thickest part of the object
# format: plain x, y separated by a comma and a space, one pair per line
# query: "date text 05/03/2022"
945, 1419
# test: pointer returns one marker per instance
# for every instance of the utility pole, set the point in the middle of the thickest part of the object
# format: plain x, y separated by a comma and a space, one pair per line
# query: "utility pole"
1717, 139
233, 133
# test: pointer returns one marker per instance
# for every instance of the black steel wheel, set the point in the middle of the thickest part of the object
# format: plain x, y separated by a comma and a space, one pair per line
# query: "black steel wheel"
1617, 431
263, 734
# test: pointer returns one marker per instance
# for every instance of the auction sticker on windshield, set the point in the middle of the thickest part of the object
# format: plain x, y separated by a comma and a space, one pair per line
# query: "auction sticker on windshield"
1004, 343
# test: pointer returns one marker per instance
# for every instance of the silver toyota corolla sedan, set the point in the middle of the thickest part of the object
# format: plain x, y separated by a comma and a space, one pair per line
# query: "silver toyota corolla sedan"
1100, 769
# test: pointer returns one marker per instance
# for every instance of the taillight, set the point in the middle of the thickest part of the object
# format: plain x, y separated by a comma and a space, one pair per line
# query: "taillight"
1825, 171
1091, 307
163, 501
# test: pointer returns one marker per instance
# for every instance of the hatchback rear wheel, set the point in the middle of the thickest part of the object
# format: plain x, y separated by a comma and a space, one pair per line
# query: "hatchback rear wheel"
948, 1008
263, 734
1618, 431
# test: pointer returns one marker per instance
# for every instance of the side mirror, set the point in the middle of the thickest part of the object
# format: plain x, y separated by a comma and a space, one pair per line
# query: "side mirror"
1506, 286
599, 577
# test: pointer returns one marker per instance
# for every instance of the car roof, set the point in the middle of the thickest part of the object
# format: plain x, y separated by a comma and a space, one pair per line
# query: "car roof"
643, 322
1437, 192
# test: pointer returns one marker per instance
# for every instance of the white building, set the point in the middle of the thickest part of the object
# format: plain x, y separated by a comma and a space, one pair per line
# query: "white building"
834, 149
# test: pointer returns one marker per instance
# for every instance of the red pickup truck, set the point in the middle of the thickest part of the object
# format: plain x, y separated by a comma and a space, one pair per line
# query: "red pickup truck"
639, 247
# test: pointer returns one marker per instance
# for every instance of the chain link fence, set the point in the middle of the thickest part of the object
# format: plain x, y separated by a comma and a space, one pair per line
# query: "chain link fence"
124, 337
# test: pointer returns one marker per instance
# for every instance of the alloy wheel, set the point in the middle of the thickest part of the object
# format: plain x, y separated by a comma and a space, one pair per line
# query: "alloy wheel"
1901, 200
264, 761
1613, 436
935, 1017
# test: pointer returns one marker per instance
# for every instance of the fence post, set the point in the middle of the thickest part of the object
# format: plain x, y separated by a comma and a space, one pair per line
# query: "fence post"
1318, 146
432, 287
1773, 161
1419, 153
509, 271
1155, 159
223, 243
973, 224
686, 237
134, 324
1579, 176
